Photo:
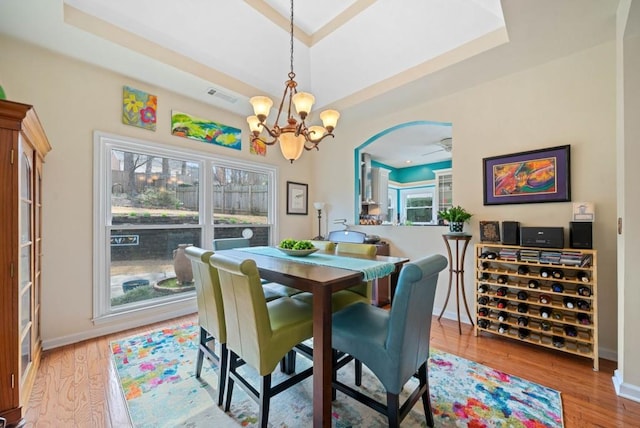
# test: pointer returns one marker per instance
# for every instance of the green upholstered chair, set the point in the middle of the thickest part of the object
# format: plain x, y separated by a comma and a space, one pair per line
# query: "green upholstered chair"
345, 248
327, 246
210, 314
393, 344
259, 333
272, 290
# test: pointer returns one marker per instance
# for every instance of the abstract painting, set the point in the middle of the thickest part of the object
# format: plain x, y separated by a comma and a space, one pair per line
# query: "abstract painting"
528, 177
195, 128
139, 108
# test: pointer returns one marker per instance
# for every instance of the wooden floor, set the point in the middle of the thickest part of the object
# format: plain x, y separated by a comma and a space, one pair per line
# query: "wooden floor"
76, 385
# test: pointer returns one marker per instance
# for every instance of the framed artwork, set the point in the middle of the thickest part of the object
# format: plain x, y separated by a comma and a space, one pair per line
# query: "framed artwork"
297, 198
528, 177
139, 108
208, 131
489, 231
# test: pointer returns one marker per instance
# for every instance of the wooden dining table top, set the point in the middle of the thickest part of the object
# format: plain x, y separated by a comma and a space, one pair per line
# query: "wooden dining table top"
322, 281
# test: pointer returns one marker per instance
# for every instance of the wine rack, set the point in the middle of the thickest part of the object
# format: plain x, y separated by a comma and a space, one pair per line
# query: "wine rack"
547, 297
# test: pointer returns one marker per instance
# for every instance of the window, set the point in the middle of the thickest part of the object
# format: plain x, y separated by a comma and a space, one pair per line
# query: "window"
417, 206
152, 200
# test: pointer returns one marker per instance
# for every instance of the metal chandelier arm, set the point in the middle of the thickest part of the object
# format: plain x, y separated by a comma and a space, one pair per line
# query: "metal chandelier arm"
315, 143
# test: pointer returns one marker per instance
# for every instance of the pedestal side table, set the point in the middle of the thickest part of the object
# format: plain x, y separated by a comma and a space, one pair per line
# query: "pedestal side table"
456, 266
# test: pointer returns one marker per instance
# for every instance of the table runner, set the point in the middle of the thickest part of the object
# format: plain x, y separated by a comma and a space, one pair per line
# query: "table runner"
371, 269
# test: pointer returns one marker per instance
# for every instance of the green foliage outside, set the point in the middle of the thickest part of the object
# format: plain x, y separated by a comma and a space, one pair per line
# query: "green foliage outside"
138, 294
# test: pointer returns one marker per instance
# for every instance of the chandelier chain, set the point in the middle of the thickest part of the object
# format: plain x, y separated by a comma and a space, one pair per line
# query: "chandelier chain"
291, 32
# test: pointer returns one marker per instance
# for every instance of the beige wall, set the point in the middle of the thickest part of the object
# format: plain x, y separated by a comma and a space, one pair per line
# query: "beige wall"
567, 101
72, 99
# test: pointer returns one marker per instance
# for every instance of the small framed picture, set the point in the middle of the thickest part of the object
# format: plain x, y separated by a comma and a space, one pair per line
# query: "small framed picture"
297, 198
490, 231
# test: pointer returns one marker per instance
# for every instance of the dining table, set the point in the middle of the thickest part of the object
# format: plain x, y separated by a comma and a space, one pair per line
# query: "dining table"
320, 276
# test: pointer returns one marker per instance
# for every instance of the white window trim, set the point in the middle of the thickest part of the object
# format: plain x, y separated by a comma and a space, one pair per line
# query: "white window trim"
172, 306
405, 192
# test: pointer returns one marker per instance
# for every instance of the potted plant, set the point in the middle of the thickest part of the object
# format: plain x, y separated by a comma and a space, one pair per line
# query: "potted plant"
456, 217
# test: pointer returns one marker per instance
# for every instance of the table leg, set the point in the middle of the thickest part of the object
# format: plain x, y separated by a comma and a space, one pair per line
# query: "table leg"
322, 357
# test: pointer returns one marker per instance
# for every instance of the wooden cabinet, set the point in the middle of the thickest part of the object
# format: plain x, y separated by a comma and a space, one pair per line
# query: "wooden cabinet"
547, 297
23, 145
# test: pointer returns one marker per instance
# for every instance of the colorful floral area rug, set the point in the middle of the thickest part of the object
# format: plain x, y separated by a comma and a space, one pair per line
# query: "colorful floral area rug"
157, 377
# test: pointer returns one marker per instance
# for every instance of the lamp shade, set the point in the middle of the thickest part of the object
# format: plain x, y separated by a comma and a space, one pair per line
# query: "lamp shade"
303, 102
329, 119
318, 205
261, 106
254, 124
316, 132
291, 145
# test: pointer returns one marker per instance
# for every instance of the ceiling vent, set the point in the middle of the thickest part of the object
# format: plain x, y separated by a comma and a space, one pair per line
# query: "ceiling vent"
218, 94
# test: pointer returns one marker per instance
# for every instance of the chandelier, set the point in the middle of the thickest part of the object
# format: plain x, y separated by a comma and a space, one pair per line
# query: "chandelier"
294, 136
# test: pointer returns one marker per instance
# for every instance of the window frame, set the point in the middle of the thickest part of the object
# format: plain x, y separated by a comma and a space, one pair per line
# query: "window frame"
182, 303
423, 190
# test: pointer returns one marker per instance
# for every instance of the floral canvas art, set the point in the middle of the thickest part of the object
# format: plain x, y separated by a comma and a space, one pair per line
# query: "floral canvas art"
139, 108
195, 128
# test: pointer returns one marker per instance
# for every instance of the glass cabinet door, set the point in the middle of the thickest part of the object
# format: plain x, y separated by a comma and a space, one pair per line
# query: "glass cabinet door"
25, 278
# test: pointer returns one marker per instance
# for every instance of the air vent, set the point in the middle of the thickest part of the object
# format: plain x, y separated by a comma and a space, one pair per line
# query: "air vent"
218, 94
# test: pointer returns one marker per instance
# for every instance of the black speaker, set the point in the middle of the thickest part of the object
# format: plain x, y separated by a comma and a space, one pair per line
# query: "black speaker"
581, 234
511, 233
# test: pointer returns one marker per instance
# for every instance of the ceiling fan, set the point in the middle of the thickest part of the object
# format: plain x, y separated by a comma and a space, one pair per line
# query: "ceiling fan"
444, 145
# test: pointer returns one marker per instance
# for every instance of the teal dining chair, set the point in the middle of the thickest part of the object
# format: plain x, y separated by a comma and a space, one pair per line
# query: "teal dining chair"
259, 333
393, 344
210, 314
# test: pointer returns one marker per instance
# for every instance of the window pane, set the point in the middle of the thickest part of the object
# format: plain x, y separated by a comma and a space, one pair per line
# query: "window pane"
142, 263
148, 189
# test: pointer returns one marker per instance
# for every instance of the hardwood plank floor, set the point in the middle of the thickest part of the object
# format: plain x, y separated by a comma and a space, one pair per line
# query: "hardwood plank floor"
76, 385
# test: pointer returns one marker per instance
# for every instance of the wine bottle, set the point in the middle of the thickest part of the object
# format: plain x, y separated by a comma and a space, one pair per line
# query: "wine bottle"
545, 325
523, 308
503, 316
503, 328
584, 319
502, 291
558, 341
522, 295
545, 312
557, 273
582, 276
570, 331
545, 272
523, 333
502, 304
557, 287
483, 288
544, 299
556, 315
489, 255
569, 302
583, 305
523, 321
486, 265
523, 270
483, 300
533, 283
484, 276
503, 279
483, 323
583, 290
483, 312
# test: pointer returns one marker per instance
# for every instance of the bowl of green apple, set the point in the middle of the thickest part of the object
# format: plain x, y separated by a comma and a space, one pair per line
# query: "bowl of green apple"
295, 248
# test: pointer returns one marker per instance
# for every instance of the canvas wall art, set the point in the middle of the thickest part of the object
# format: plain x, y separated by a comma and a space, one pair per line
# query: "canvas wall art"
139, 108
208, 131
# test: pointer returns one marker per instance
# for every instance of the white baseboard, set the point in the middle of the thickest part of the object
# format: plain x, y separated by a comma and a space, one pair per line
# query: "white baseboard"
626, 390
138, 320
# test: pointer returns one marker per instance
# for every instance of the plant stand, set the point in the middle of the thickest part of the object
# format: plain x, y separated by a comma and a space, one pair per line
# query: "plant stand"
458, 270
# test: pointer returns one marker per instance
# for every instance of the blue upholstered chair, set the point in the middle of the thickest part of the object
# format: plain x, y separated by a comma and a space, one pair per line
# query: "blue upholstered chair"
210, 314
393, 344
272, 290
259, 333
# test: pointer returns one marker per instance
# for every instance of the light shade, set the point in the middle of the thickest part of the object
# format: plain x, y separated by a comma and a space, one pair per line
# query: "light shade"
329, 119
291, 145
261, 106
318, 205
254, 124
316, 132
303, 102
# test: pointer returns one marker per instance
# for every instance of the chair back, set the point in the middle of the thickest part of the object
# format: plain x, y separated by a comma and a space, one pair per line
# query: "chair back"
347, 236
410, 317
327, 246
208, 293
355, 248
246, 314
230, 243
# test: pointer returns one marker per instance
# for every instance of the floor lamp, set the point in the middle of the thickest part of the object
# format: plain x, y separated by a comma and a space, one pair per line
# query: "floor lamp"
319, 206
